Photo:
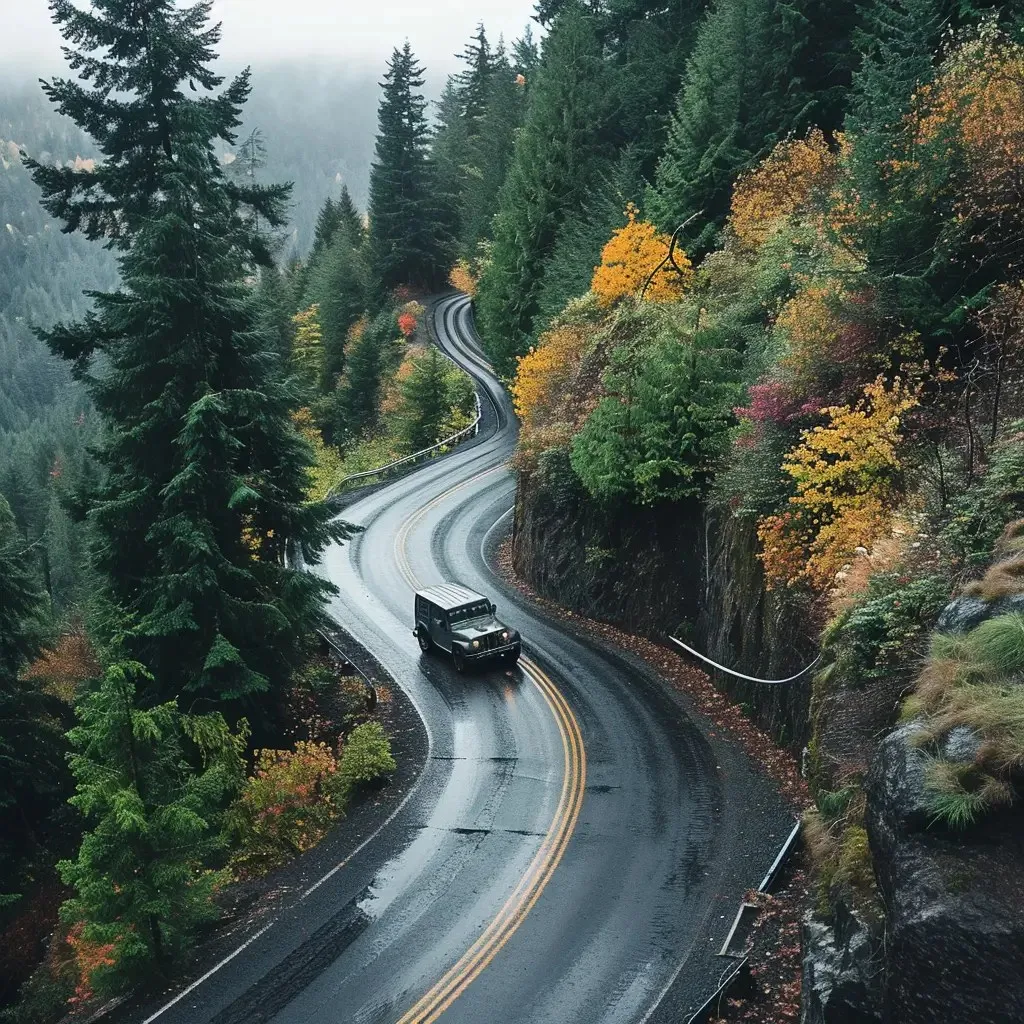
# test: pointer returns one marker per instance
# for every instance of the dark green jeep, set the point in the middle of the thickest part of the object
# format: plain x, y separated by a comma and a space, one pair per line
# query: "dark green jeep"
458, 620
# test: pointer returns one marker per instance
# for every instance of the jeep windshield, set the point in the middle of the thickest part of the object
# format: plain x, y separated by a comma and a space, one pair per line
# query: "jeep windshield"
477, 610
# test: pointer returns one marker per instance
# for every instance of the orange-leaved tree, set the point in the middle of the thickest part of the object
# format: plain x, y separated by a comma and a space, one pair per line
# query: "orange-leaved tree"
846, 474
628, 259
791, 181
545, 371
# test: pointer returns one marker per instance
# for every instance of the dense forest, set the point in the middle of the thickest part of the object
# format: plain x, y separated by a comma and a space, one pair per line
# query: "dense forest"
750, 271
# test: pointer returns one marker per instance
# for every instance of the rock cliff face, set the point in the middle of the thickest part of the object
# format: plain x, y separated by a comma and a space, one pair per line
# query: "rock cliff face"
752, 630
954, 935
640, 569
842, 971
668, 570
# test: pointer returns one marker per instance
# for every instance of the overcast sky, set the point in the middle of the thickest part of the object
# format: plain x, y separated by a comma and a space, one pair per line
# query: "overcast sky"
362, 32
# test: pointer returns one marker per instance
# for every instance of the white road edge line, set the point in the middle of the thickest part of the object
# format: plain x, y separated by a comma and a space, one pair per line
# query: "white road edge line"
494, 525
213, 970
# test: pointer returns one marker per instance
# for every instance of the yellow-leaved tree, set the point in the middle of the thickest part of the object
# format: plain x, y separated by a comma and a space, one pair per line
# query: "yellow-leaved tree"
326, 468
544, 372
629, 258
308, 346
785, 185
846, 474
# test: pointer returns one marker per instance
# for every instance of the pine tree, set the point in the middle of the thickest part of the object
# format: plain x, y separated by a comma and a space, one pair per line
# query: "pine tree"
334, 216
31, 739
327, 222
409, 243
490, 153
206, 474
356, 398
425, 400
756, 74
349, 218
474, 82
338, 286
900, 41
450, 154
141, 881
153, 55
557, 155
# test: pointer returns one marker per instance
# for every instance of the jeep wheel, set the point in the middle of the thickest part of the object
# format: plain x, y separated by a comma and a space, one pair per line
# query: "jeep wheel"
425, 642
460, 660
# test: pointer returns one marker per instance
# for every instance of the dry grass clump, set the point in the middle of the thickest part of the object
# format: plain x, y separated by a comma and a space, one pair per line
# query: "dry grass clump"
1004, 579
1011, 540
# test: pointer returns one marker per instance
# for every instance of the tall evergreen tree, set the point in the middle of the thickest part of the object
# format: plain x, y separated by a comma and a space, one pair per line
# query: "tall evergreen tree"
426, 401
356, 398
338, 286
490, 152
334, 216
409, 243
475, 81
32, 771
153, 55
349, 218
759, 70
450, 153
557, 156
206, 474
327, 222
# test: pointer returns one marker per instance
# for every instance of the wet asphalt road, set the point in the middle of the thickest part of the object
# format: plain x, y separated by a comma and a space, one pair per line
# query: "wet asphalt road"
556, 860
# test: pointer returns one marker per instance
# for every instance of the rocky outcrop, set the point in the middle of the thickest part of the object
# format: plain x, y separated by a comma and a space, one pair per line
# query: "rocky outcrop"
954, 931
633, 567
667, 570
841, 971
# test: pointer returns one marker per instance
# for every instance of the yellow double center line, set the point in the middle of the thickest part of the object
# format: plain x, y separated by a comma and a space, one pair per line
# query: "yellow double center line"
533, 882
458, 978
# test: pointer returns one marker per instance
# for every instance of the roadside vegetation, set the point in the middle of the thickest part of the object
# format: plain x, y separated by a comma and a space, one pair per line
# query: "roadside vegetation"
741, 264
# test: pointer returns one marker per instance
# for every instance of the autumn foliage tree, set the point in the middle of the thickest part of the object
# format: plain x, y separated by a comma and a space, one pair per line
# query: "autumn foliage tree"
632, 255
845, 474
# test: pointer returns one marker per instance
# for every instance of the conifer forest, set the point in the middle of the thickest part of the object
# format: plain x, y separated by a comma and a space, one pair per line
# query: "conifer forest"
690, 331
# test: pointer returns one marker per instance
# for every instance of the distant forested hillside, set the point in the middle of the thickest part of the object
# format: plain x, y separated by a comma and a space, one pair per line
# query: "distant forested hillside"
316, 125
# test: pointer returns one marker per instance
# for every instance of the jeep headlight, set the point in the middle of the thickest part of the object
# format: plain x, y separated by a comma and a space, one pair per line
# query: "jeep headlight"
476, 643
504, 636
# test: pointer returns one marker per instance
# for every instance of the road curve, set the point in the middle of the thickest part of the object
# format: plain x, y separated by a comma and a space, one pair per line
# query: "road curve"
555, 861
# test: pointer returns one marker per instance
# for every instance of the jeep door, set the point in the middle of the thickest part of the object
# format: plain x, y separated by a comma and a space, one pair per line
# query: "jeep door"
439, 631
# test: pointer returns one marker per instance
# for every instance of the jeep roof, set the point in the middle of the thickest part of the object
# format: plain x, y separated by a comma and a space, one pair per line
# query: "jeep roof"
449, 595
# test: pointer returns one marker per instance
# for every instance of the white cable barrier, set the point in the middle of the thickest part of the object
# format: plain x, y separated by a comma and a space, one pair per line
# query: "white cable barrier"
740, 675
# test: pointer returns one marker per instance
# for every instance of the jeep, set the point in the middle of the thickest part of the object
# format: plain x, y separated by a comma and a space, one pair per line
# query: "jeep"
457, 620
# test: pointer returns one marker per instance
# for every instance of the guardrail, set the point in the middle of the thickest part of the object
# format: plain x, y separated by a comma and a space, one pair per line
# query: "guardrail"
736, 976
371, 686
365, 474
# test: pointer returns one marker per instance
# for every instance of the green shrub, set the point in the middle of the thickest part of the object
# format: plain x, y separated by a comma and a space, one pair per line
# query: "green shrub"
833, 803
366, 756
877, 639
979, 516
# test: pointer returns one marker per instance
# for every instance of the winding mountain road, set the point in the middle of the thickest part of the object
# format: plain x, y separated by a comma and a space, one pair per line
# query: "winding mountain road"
557, 859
